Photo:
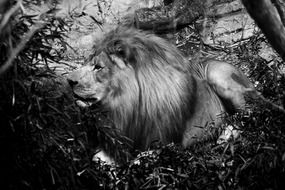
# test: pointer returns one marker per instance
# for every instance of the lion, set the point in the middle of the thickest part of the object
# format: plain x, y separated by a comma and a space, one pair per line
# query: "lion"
153, 93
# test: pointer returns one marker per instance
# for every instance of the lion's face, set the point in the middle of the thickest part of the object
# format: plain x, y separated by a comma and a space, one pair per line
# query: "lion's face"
99, 80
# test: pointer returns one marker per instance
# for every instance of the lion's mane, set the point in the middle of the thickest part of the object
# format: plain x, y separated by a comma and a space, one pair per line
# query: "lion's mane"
155, 101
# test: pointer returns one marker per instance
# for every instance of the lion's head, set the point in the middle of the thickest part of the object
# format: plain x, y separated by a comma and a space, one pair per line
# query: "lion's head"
151, 91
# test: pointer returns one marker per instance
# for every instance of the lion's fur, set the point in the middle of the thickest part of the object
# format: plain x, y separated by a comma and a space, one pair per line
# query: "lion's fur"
156, 94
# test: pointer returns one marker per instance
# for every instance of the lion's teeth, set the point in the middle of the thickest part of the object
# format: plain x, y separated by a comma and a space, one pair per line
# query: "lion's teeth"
80, 103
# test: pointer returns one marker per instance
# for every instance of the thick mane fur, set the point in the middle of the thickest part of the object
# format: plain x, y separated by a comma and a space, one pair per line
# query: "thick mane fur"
152, 103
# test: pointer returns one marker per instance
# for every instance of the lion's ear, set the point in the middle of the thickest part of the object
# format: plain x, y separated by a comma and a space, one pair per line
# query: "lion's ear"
120, 51
124, 52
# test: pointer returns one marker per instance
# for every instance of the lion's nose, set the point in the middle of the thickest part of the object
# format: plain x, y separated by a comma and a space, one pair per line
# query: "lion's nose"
72, 83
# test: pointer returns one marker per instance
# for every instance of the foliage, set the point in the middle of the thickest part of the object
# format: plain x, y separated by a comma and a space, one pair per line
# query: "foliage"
47, 142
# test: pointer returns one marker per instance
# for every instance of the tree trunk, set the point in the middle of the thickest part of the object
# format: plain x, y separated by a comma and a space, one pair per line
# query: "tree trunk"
269, 21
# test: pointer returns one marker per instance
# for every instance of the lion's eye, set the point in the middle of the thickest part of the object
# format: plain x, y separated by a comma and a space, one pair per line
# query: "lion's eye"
97, 67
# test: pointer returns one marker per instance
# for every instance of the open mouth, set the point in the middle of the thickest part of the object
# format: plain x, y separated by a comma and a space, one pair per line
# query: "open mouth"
85, 102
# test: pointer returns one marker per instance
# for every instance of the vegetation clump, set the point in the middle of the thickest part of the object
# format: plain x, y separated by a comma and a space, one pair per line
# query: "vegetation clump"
47, 142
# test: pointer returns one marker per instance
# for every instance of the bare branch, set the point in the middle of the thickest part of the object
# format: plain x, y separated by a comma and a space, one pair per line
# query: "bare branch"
161, 20
280, 6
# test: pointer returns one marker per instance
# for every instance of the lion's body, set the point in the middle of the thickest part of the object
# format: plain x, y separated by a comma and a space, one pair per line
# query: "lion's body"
154, 93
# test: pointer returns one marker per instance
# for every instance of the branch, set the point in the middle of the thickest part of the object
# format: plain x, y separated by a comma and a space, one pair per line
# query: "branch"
267, 18
19, 48
165, 19
253, 94
280, 6
8, 15
273, 105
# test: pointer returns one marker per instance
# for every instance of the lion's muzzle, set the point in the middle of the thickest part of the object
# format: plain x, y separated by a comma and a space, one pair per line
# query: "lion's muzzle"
86, 90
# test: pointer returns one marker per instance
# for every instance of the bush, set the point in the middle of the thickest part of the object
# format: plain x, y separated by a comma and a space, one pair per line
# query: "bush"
47, 142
